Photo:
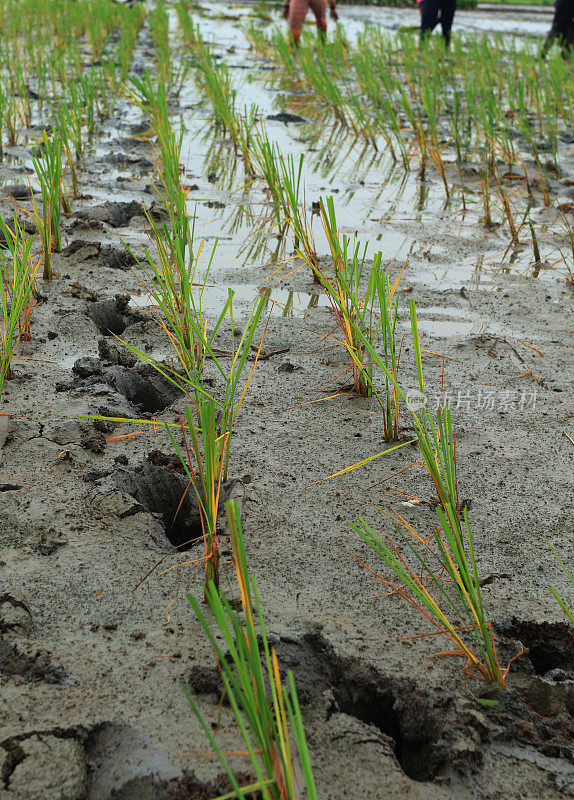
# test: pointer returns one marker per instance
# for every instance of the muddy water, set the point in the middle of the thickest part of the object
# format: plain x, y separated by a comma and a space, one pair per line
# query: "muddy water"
375, 199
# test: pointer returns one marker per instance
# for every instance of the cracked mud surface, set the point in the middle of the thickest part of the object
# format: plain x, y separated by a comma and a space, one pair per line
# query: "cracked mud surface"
90, 669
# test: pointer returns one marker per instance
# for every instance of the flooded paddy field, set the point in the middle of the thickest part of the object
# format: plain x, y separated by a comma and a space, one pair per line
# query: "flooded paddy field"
468, 195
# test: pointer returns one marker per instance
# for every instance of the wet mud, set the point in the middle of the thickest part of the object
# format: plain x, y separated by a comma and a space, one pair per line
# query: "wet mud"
92, 651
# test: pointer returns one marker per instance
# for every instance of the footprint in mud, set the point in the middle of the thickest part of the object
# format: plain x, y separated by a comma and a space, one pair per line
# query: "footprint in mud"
20, 659
437, 736
160, 486
43, 763
423, 725
126, 388
548, 646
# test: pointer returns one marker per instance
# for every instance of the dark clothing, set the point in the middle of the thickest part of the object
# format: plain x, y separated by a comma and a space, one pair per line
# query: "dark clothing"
563, 20
435, 11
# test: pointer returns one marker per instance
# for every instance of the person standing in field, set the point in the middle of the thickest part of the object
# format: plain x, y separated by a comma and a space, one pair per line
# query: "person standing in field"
433, 12
296, 10
561, 29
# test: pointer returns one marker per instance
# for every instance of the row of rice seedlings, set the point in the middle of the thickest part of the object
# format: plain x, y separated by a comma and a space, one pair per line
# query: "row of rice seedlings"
171, 278
453, 605
170, 64
17, 282
31, 58
389, 92
216, 81
266, 711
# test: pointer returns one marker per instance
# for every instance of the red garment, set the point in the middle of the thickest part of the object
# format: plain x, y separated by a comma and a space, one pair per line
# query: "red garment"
298, 11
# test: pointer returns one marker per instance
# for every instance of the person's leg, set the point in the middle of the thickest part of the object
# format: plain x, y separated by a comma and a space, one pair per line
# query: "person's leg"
446, 17
429, 17
563, 17
319, 9
297, 13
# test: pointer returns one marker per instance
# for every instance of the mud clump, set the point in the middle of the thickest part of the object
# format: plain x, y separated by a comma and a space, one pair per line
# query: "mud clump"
117, 257
116, 215
287, 118
111, 316
114, 354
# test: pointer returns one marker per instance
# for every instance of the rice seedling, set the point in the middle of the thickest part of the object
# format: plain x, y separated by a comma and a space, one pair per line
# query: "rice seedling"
216, 81
570, 577
484, 180
171, 67
507, 208
296, 216
420, 585
267, 713
48, 167
206, 477
568, 238
202, 346
17, 280
423, 588
69, 122
366, 310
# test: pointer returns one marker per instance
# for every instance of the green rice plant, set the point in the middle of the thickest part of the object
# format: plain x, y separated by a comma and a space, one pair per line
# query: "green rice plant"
13, 117
172, 283
570, 577
484, 180
324, 86
17, 280
568, 238
459, 614
507, 208
48, 167
456, 128
190, 380
171, 66
64, 133
3, 113
217, 83
266, 158
296, 215
88, 98
435, 149
201, 446
454, 554
535, 247
369, 311
267, 713
69, 122
352, 305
